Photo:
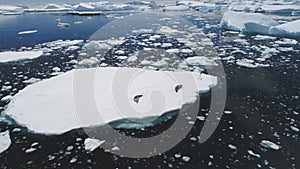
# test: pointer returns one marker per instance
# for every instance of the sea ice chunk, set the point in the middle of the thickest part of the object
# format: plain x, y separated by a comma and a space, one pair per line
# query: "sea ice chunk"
91, 144
27, 32
247, 22
5, 141
289, 29
269, 144
10, 56
200, 61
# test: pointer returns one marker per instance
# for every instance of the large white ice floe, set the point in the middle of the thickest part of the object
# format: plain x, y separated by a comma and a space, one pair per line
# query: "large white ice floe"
48, 106
10, 56
247, 22
5, 141
289, 29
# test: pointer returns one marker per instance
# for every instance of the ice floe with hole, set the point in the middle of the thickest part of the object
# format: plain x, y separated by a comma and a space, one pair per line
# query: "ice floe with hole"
247, 22
11, 56
5, 141
48, 106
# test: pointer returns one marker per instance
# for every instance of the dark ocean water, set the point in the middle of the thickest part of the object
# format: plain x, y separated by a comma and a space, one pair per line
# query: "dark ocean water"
262, 100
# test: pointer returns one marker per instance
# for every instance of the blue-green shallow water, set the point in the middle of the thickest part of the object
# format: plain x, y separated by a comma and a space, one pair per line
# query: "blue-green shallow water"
262, 101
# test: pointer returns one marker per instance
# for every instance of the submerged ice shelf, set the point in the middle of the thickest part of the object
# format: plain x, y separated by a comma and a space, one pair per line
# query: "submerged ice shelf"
48, 106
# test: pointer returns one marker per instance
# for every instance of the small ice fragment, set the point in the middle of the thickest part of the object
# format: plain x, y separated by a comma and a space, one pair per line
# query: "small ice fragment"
56, 69
227, 112
73, 160
6, 98
177, 155
115, 148
69, 148
91, 144
253, 154
231, 146
27, 32
30, 150
269, 144
295, 128
186, 158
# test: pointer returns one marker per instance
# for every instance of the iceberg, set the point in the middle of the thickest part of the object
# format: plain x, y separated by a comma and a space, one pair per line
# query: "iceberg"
289, 29
247, 22
84, 7
10, 10
48, 106
5, 141
10, 56
49, 8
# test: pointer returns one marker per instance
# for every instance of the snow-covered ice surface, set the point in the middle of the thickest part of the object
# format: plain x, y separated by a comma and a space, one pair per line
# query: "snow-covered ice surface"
11, 56
52, 99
